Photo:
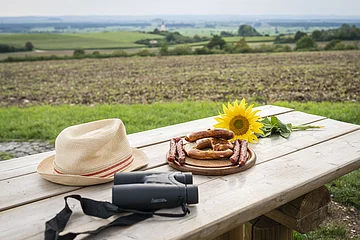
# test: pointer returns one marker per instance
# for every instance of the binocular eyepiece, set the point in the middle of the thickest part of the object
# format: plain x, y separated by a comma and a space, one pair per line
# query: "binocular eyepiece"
153, 191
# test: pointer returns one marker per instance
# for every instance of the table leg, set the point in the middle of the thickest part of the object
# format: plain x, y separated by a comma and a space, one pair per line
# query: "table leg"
264, 228
261, 228
235, 233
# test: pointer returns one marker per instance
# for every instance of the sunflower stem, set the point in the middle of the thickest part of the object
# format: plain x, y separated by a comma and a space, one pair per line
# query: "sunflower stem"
304, 127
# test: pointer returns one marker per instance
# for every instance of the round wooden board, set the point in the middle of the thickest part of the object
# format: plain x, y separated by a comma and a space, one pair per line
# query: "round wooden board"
213, 167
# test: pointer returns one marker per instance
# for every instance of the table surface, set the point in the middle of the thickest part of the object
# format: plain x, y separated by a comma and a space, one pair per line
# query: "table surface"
285, 169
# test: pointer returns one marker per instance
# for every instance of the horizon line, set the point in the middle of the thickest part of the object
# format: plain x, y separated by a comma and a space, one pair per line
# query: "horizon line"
169, 15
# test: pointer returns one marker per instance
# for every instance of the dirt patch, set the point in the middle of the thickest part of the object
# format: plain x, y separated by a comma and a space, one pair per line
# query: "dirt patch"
345, 216
310, 76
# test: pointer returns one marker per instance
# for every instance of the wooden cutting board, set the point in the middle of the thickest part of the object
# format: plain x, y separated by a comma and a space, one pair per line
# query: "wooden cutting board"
213, 167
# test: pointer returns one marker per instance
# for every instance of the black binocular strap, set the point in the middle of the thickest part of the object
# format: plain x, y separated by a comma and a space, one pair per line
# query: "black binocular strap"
100, 209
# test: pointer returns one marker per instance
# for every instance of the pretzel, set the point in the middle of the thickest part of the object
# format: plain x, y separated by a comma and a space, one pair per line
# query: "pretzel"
215, 133
215, 149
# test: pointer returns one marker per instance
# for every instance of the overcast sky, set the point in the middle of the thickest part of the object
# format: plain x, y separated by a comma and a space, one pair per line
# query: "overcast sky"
161, 7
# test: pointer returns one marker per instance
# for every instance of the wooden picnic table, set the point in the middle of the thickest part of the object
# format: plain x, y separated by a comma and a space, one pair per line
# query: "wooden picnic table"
285, 170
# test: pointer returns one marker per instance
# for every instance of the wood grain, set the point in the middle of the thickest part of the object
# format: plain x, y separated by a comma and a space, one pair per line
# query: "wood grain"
225, 202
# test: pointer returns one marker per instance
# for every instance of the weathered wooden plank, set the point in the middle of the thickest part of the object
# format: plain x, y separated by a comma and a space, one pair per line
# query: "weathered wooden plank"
36, 214
21, 166
15, 193
270, 148
25, 165
234, 199
224, 202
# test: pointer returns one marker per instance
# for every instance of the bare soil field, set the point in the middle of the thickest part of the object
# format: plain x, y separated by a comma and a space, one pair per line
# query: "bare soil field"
306, 76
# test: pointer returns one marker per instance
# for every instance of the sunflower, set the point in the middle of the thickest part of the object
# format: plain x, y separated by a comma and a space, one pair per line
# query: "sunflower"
241, 120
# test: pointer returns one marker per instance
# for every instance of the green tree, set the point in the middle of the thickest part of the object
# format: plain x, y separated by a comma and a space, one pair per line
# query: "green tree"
229, 47
242, 46
29, 46
197, 38
164, 50
247, 31
316, 35
226, 34
216, 42
305, 42
331, 44
299, 35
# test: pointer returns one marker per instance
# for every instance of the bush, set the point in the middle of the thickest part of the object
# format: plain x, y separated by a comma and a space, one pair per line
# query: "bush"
164, 50
339, 46
181, 50
242, 46
119, 53
305, 42
264, 48
282, 48
229, 47
79, 52
331, 44
96, 53
201, 51
352, 47
282, 39
145, 53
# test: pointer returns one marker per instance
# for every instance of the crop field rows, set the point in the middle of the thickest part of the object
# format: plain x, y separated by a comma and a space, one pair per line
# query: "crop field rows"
307, 76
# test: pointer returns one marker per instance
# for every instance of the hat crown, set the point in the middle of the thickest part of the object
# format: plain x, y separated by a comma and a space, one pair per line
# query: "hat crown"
90, 147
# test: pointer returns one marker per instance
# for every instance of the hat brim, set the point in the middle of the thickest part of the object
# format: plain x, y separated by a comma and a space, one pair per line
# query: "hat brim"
46, 170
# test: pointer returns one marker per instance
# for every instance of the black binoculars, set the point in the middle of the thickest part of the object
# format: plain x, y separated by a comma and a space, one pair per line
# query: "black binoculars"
153, 191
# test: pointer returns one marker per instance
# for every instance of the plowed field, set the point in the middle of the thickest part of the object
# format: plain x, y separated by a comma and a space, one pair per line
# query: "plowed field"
308, 76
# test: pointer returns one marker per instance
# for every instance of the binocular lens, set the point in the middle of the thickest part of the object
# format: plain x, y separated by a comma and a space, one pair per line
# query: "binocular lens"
185, 178
192, 194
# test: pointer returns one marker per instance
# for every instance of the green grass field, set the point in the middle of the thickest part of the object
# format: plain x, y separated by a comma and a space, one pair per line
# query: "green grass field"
101, 40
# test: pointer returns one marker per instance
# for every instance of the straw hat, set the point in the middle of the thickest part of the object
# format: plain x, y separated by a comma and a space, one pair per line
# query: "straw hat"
91, 153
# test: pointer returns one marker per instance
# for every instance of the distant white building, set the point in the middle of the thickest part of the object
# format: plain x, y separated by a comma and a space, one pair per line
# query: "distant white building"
153, 42
163, 27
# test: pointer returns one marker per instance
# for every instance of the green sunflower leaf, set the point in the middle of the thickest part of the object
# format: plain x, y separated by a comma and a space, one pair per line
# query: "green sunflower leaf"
272, 125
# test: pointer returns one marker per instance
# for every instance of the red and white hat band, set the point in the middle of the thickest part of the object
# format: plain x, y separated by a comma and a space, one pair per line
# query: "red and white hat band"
106, 172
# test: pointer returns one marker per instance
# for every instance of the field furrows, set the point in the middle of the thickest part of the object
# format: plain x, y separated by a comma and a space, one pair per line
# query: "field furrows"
310, 76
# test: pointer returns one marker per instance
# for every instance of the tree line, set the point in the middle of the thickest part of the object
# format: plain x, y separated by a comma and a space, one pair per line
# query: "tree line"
5, 48
345, 32
244, 30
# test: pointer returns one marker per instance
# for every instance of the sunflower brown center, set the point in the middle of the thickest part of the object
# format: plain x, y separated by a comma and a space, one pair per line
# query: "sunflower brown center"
239, 125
